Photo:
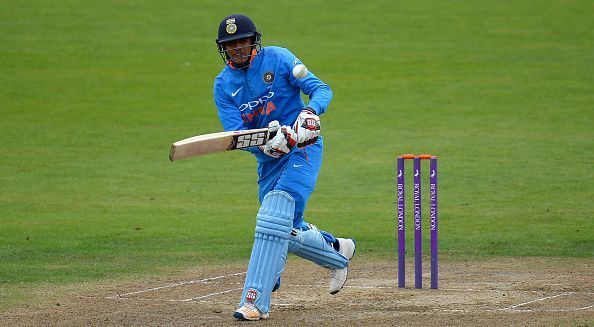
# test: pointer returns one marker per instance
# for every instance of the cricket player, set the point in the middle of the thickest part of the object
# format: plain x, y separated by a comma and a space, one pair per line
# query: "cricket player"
260, 87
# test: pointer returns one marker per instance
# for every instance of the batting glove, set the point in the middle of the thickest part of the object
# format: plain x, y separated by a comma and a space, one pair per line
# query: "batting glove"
307, 127
282, 140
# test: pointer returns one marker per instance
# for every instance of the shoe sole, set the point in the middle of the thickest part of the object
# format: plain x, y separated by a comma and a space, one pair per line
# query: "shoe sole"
240, 316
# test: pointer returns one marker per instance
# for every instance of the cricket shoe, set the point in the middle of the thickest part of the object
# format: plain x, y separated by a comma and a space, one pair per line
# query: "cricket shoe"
339, 276
249, 311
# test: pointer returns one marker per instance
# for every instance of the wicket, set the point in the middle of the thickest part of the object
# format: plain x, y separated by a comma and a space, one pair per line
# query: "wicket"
417, 218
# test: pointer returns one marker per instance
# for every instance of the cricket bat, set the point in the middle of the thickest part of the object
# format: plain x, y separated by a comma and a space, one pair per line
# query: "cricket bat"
217, 142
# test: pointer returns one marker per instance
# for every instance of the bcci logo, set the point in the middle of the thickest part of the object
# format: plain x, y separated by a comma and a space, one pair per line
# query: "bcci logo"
251, 295
231, 27
268, 77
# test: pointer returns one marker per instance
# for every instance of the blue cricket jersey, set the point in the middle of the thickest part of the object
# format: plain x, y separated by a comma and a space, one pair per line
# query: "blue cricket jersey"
266, 91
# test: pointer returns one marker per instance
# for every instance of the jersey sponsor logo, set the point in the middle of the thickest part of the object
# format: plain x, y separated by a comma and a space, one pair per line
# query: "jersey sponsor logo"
256, 103
261, 107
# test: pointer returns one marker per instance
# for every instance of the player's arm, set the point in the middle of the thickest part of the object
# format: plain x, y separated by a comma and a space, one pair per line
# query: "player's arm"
319, 93
307, 125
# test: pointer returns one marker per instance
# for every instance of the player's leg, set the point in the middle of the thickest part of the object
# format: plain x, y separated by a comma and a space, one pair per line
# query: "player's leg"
273, 228
311, 244
298, 179
269, 175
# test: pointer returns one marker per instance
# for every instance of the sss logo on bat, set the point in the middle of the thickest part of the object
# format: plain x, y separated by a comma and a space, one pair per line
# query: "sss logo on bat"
248, 140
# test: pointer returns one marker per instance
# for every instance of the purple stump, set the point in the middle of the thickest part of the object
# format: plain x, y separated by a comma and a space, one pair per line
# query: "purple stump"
401, 239
433, 221
417, 221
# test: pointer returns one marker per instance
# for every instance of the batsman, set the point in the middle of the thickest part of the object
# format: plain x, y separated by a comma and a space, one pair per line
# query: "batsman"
261, 87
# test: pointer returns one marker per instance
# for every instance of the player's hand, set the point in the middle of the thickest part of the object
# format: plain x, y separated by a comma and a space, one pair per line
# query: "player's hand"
282, 140
307, 127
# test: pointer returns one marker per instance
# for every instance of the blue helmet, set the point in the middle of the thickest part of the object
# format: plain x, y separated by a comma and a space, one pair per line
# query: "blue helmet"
235, 27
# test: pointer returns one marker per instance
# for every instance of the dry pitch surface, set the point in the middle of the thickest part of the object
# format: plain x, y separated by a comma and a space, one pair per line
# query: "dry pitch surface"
498, 292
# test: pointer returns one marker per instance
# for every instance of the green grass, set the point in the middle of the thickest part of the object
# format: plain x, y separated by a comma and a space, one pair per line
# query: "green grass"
92, 95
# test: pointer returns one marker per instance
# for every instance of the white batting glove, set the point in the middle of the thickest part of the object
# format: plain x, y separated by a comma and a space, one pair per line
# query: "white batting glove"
282, 140
307, 127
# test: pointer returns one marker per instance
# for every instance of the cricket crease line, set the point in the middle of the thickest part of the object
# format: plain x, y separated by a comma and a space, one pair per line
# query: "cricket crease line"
364, 287
208, 295
505, 291
140, 299
317, 286
513, 307
553, 310
346, 286
175, 285
241, 288
197, 298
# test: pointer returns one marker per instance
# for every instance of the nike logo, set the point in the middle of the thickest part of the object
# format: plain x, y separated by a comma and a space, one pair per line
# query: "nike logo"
235, 93
417, 172
297, 166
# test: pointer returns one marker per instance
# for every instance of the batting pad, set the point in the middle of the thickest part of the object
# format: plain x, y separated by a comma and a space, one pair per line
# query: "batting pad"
273, 229
312, 245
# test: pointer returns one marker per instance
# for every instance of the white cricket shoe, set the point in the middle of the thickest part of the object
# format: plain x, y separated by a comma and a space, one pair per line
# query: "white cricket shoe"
249, 312
339, 276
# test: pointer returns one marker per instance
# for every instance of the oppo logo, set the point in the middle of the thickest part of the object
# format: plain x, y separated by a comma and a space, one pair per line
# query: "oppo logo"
256, 103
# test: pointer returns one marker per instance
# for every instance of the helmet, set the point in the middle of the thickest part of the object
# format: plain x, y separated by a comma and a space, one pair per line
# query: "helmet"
234, 27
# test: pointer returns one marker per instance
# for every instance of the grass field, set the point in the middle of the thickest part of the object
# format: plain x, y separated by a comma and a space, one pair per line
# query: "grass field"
93, 93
